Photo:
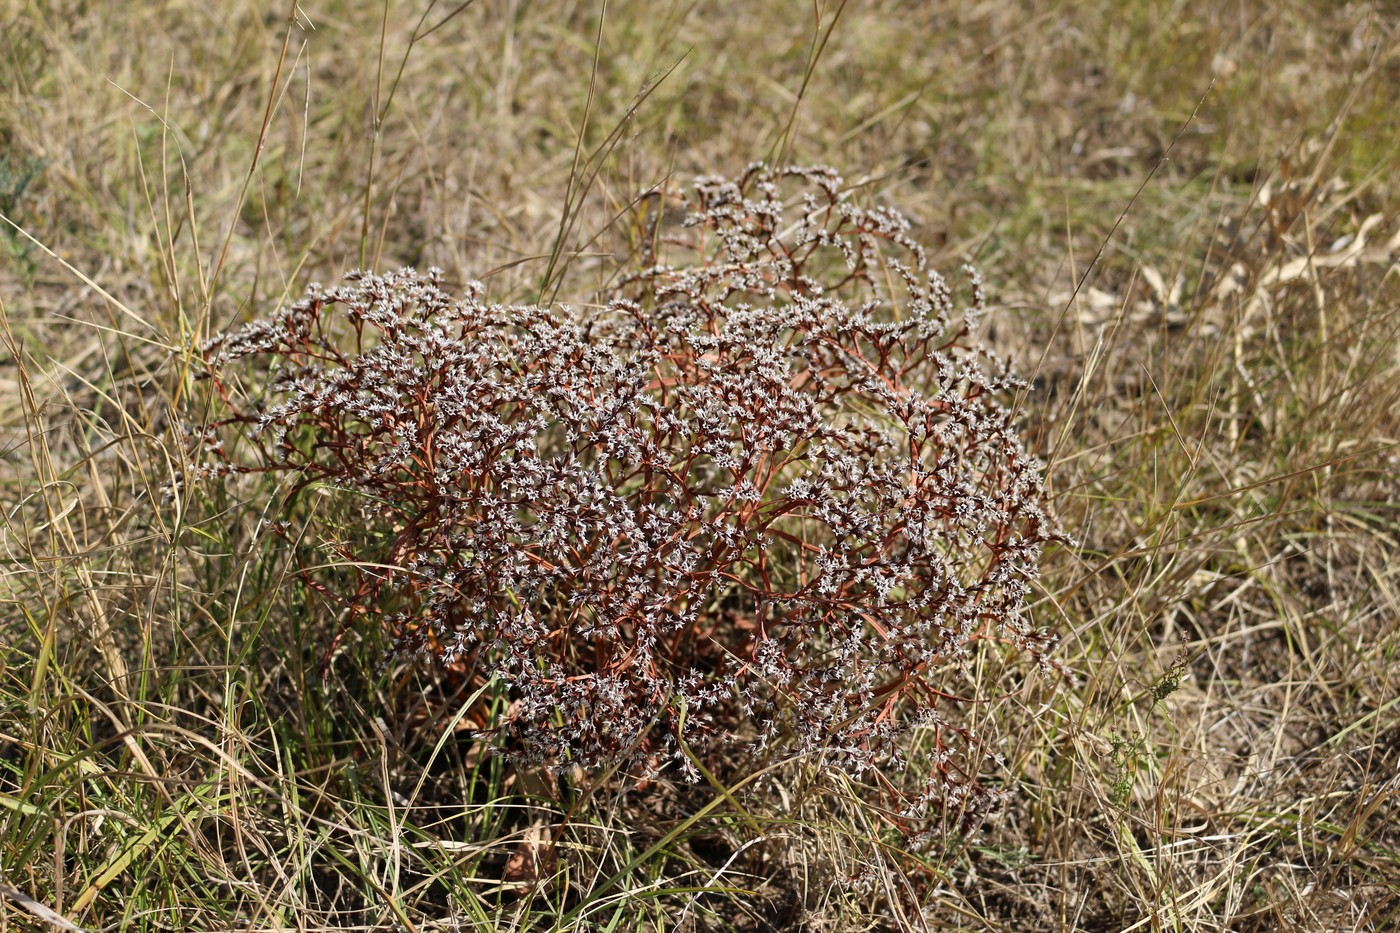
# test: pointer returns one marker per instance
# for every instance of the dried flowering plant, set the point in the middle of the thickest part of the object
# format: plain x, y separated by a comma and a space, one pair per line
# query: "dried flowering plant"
762, 495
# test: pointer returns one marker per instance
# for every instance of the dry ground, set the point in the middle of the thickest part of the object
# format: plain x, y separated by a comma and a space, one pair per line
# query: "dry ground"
1185, 213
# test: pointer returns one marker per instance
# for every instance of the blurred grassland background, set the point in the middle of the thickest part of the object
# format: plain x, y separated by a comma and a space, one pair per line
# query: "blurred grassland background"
1218, 405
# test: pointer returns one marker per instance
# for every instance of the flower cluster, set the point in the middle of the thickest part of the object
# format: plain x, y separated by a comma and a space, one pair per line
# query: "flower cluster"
762, 495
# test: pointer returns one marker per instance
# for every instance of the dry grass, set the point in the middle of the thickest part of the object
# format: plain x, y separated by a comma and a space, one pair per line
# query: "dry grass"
1218, 403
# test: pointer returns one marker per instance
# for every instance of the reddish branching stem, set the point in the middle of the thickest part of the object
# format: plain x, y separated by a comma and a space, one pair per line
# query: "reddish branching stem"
769, 482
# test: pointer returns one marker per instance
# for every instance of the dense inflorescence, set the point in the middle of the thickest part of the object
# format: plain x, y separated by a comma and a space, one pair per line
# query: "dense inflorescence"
763, 495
